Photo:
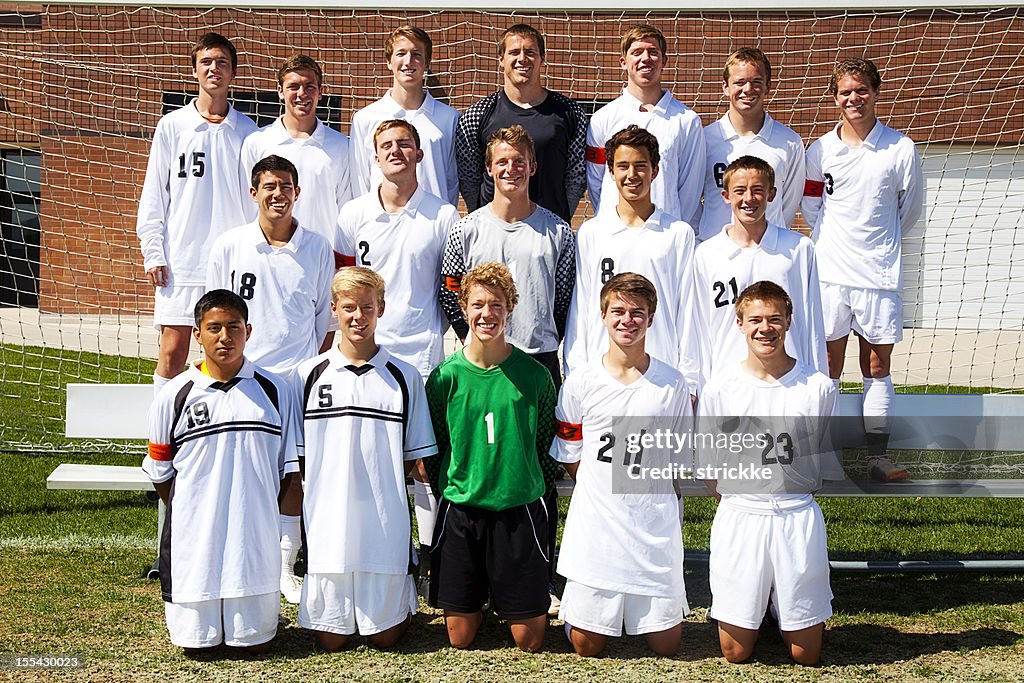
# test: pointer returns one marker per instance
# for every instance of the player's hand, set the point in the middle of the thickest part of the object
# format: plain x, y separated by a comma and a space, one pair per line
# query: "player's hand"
157, 276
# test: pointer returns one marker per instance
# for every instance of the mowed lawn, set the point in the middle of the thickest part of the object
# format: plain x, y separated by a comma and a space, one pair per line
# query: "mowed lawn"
72, 564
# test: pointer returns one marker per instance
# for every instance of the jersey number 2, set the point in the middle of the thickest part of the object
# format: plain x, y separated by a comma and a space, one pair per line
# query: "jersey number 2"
721, 298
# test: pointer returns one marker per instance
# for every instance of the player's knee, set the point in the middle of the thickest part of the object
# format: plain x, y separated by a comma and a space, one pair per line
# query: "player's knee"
805, 656
261, 649
665, 648
587, 647
529, 640
331, 642
736, 653
385, 640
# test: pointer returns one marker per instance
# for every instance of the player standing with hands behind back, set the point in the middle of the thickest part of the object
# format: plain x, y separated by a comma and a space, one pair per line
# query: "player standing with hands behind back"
190, 196
864, 188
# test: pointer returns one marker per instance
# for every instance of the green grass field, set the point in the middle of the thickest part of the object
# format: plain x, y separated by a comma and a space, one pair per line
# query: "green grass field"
72, 563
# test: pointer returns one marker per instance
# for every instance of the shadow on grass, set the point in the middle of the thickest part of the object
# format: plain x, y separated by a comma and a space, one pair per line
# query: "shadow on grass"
912, 594
873, 644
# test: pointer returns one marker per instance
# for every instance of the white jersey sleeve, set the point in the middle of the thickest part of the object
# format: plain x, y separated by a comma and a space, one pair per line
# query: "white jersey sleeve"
596, 167
362, 153
159, 461
792, 185
419, 430
911, 197
579, 328
814, 188
155, 199
248, 158
568, 443
690, 181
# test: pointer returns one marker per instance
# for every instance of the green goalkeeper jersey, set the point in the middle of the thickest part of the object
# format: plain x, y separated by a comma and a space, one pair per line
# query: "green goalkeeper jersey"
494, 428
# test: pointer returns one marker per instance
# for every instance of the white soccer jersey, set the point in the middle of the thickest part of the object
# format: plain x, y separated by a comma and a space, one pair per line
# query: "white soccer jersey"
858, 201
191, 194
723, 269
435, 122
662, 251
322, 161
287, 290
360, 425
405, 248
226, 445
777, 144
680, 180
625, 542
794, 445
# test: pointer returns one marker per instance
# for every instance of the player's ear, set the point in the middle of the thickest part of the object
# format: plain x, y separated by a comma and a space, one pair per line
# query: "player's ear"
725, 195
771, 194
380, 309
248, 331
280, 93
655, 170
299, 189
195, 333
533, 170
419, 155
252, 193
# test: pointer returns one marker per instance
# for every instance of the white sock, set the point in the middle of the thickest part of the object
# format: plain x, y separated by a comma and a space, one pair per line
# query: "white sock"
426, 510
879, 396
291, 539
159, 383
836, 410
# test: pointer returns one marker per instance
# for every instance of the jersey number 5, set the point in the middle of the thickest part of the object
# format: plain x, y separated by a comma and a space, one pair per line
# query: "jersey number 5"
198, 166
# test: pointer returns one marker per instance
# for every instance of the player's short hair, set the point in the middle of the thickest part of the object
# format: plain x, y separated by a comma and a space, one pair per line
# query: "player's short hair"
397, 123
513, 135
630, 286
748, 55
300, 63
748, 162
766, 291
632, 136
523, 31
211, 40
410, 32
351, 278
276, 164
855, 66
219, 298
493, 275
641, 32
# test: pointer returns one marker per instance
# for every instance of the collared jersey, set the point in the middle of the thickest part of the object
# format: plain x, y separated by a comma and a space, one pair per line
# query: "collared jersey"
360, 425
322, 161
405, 248
191, 193
662, 251
434, 122
723, 269
790, 418
624, 542
540, 250
494, 428
287, 290
677, 188
225, 446
858, 201
777, 144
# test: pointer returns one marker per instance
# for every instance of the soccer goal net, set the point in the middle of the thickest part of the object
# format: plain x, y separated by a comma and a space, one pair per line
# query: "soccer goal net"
84, 85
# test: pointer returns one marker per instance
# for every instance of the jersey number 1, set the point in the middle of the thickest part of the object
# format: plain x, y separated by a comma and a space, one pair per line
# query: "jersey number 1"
489, 420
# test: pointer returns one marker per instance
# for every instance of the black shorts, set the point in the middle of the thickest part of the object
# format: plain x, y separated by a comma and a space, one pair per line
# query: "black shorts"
503, 553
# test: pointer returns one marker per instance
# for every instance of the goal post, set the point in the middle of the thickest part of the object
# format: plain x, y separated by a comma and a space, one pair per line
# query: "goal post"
83, 85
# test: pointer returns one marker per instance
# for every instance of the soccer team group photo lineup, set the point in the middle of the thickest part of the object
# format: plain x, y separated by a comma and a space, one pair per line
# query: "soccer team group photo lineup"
684, 331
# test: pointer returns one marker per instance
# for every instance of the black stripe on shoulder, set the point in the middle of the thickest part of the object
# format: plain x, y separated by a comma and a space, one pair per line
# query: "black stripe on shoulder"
270, 389
314, 375
404, 386
179, 407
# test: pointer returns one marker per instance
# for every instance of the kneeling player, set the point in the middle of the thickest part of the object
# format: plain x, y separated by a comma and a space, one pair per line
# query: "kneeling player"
768, 538
622, 555
220, 441
365, 422
493, 409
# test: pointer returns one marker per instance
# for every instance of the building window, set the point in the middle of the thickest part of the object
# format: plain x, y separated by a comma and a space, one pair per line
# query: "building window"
19, 228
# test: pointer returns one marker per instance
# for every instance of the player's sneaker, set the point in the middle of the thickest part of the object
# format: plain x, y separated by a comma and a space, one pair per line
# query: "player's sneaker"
882, 469
555, 603
291, 588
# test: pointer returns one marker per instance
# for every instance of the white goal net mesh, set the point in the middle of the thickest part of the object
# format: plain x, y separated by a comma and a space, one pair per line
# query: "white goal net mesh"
82, 87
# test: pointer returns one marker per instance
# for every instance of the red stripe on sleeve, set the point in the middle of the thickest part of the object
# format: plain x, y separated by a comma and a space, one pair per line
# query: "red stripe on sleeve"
595, 155
813, 188
160, 451
568, 431
342, 260
452, 283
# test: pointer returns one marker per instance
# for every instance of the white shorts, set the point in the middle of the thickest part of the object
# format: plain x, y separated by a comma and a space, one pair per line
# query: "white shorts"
176, 305
237, 622
780, 556
345, 603
605, 612
874, 314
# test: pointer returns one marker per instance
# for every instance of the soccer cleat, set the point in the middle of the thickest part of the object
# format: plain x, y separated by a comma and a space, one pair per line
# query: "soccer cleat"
555, 603
882, 469
291, 588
